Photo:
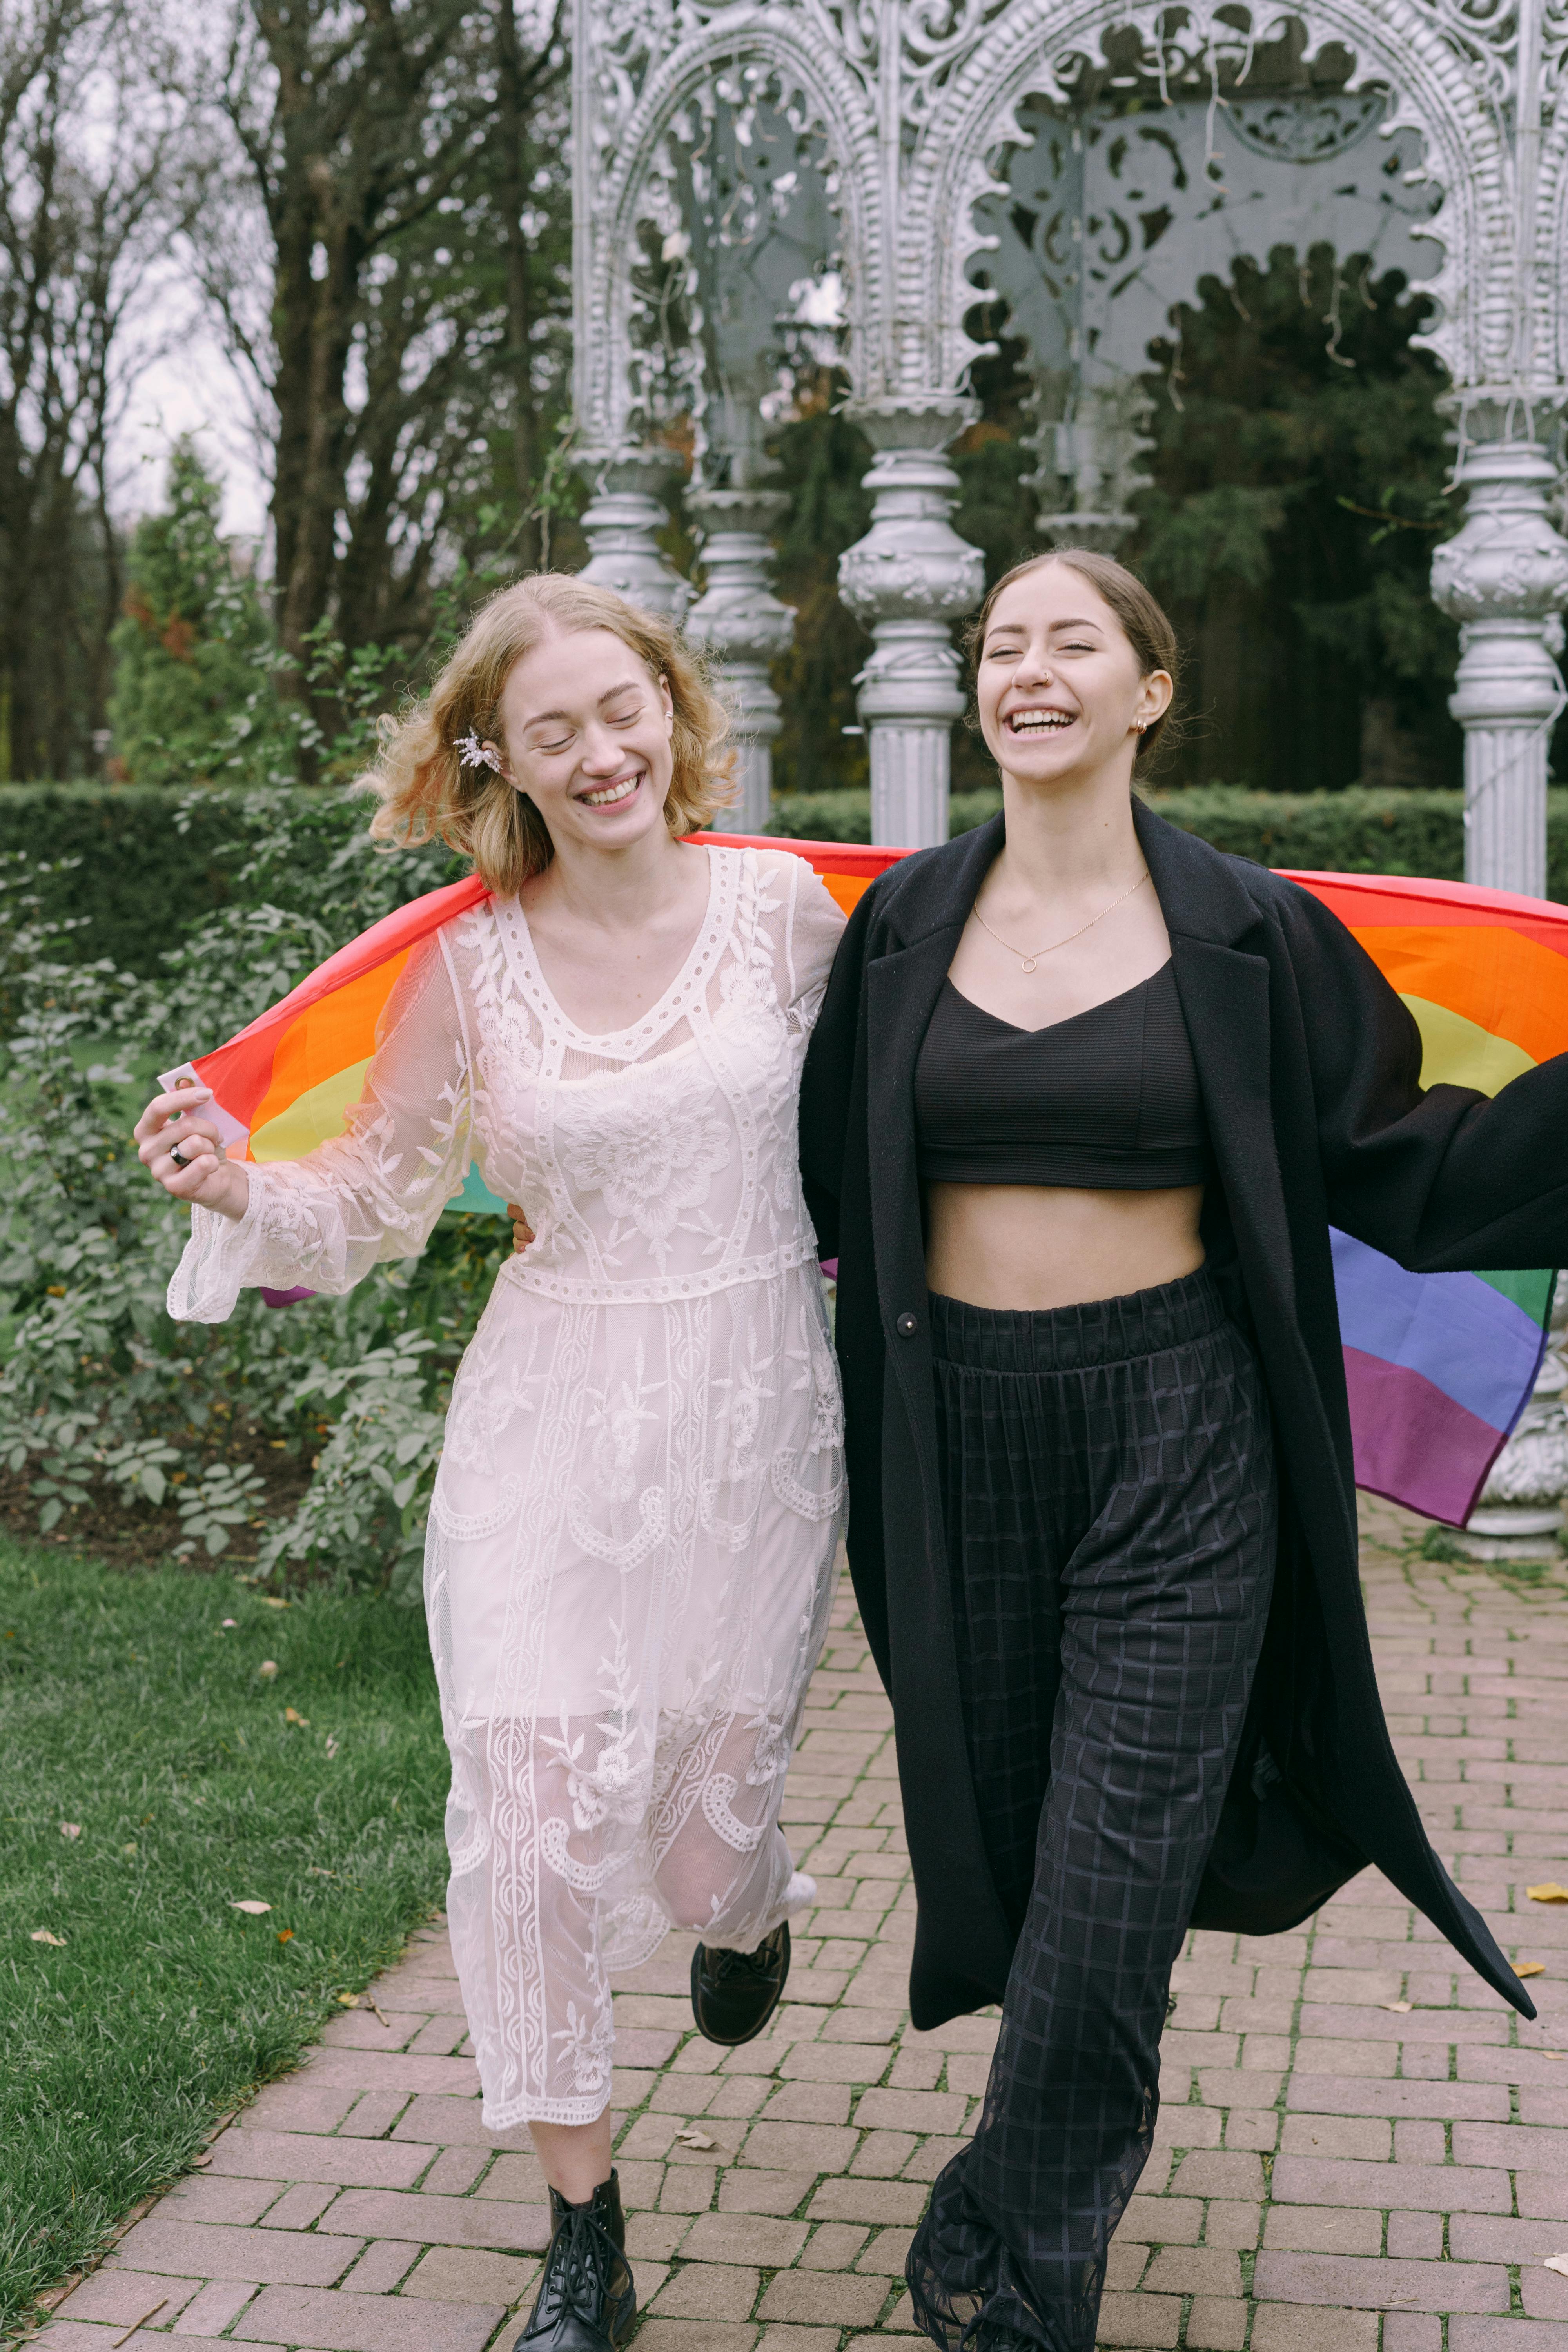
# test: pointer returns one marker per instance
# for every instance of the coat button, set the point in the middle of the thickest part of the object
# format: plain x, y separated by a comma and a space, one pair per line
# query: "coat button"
907, 1327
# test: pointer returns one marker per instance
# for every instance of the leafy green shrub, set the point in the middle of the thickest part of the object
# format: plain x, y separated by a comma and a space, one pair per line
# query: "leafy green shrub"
98, 1391
1358, 830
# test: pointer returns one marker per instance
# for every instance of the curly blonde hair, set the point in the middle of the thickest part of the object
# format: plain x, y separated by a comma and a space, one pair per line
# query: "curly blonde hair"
425, 793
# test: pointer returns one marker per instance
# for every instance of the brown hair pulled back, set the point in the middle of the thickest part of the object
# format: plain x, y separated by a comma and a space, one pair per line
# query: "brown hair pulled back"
425, 792
1141, 617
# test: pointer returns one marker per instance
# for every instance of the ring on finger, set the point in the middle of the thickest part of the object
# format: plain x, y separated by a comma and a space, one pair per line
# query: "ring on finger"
178, 1157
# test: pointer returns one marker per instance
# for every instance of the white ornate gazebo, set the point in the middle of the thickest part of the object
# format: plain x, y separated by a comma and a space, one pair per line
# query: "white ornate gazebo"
869, 172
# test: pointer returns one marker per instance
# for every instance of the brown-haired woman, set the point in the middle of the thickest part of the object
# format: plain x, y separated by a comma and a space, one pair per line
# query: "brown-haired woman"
1081, 1102
633, 1529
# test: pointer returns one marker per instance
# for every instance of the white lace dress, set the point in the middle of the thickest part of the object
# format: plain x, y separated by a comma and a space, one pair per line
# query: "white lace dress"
628, 1563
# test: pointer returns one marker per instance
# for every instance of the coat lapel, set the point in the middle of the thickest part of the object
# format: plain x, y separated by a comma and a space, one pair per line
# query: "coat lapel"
1222, 975
902, 988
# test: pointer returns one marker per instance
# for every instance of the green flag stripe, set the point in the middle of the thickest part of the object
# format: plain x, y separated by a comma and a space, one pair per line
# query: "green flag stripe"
1532, 1289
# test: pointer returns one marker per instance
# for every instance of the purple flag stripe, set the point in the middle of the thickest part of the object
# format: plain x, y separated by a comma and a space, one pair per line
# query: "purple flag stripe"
1414, 1444
1459, 1333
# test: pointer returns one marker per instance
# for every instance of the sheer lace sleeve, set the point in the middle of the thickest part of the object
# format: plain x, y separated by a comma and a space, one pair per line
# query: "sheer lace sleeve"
375, 1193
812, 927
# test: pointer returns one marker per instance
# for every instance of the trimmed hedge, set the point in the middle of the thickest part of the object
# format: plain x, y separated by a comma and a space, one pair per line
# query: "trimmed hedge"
143, 882
1357, 831
146, 862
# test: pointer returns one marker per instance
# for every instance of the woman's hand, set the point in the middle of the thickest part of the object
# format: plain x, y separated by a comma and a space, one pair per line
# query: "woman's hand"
171, 1124
521, 1231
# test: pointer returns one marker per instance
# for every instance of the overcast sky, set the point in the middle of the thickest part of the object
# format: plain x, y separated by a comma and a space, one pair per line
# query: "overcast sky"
194, 389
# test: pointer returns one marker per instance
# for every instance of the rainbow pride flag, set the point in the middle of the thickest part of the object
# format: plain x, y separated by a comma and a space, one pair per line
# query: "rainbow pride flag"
1439, 1367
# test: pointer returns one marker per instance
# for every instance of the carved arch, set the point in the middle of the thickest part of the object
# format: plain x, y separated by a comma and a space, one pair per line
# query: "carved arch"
1546, 280
1434, 89
839, 116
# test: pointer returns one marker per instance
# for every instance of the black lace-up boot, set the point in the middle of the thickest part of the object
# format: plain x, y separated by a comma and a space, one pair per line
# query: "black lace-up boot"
586, 2300
733, 1994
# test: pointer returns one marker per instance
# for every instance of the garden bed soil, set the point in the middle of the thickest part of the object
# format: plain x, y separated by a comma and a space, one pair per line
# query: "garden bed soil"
127, 1533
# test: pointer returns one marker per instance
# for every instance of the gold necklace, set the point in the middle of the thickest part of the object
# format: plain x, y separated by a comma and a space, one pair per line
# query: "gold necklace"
1029, 961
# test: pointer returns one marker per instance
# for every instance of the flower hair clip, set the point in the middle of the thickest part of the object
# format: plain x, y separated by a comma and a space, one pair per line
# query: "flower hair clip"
472, 753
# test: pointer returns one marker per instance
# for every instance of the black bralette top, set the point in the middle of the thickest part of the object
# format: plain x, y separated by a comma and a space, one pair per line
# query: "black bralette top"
1108, 1100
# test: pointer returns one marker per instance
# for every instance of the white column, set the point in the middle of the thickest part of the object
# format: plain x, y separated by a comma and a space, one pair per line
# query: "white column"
1504, 578
620, 522
906, 580
746, 627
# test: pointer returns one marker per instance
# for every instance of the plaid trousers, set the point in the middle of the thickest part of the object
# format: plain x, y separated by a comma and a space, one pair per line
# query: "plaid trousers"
1108, 1494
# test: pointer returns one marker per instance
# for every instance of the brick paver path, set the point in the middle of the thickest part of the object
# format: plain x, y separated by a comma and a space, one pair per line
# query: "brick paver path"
1360, 2149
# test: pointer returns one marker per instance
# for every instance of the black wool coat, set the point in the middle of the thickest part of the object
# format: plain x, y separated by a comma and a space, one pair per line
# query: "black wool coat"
1309, 1069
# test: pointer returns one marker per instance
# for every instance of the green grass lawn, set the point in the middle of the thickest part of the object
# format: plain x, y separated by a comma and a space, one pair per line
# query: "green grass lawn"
126, 1711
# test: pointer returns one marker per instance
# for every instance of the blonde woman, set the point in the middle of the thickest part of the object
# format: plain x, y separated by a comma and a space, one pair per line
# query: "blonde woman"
634, 1526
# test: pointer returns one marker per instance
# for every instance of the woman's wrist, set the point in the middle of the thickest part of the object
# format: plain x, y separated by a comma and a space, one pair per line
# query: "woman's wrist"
227, 1193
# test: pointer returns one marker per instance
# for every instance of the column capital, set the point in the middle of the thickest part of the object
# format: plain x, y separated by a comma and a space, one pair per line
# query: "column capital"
620, 523
1506, 562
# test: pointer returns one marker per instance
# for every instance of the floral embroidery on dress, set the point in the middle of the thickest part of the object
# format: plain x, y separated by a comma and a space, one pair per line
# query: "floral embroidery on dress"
638, 1138
590, 2042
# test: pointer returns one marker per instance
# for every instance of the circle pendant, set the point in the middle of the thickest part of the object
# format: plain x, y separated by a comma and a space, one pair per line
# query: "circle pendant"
1028, 963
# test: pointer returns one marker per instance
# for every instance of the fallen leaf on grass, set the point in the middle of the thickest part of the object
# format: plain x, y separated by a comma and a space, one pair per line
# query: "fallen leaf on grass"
1558, 2263
1400, 2008
42, 1936
256, 1909
285, 1935
292, 1714
1548, 1891
348, 1999
70, 1829
1529, 1967
270, 1601
690, 2136
267, 1669
332, 1747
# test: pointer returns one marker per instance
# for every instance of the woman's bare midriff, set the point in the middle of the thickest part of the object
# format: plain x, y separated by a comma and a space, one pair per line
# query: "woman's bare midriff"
1034, 1247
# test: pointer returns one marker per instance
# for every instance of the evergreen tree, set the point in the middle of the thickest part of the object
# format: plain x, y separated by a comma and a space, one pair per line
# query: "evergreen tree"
1299, 474
193, 697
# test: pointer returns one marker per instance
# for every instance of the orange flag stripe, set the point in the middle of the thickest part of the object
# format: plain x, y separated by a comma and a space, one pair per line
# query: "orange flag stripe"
1507, 984
330, 1036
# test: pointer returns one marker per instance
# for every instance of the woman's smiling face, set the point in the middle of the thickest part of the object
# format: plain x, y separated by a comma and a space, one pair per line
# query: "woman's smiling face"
1056, 681
586, 735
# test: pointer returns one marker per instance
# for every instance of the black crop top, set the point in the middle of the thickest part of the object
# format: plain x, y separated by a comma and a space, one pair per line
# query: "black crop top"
1108, 1100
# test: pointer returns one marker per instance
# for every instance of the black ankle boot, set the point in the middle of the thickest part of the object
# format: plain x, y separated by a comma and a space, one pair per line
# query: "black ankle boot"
733, 1994
586, 2300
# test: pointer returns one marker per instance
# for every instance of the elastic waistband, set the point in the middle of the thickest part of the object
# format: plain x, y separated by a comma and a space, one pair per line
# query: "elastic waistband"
1074, 1338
